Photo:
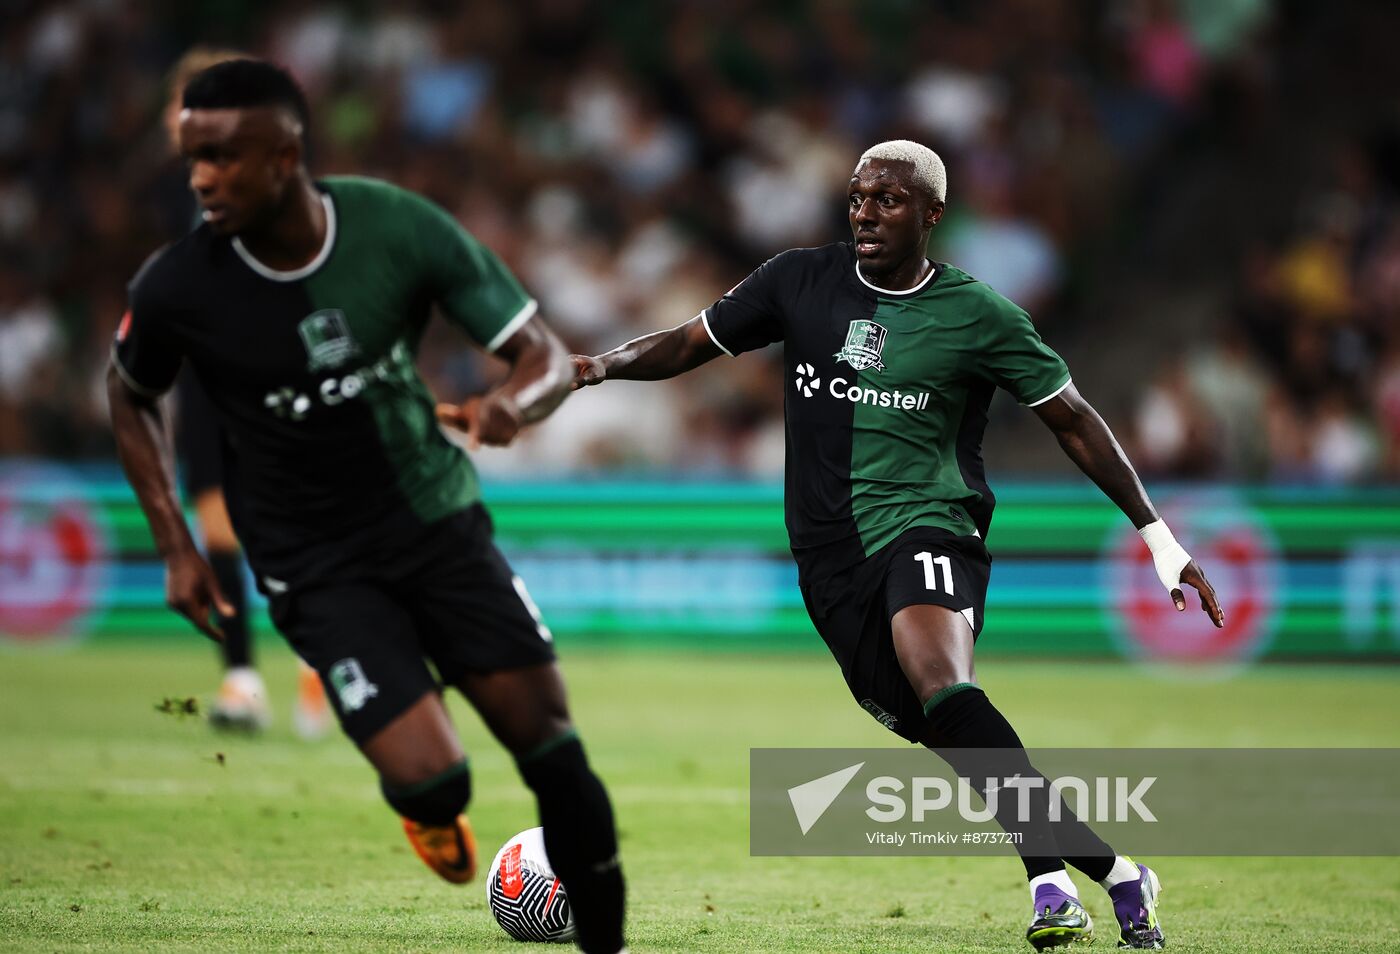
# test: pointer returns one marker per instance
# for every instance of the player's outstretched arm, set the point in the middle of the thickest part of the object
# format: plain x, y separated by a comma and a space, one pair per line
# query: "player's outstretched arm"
541, 376
144, 446
653, 357
1091, 445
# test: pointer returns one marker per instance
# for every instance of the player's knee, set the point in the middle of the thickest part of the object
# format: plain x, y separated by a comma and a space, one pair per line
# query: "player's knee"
435, 801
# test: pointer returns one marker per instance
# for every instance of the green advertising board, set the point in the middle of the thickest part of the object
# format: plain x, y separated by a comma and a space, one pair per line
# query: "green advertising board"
1302, 572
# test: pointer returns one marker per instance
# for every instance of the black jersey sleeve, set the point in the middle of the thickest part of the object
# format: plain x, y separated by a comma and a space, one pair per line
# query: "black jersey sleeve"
144, 351
749, 316
470, 284
1015, 358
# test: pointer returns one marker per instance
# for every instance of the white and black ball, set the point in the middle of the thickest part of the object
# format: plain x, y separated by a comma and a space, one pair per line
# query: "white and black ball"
528, 901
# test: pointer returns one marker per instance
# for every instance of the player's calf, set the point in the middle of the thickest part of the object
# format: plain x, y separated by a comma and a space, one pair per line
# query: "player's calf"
434, 823
579, 838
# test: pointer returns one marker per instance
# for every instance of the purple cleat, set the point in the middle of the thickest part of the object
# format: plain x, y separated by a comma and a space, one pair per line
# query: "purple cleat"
1059, 919
1135, 909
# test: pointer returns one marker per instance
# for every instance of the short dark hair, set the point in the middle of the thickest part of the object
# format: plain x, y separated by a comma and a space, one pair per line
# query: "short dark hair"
244, 84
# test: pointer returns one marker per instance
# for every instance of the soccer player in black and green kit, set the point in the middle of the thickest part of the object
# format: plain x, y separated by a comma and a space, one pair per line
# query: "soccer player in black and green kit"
891, 362
298, 305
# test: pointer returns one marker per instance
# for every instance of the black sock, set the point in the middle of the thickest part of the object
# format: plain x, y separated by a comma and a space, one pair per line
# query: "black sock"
238, 644
579, 839
1083, 848
1080, 845
972, 736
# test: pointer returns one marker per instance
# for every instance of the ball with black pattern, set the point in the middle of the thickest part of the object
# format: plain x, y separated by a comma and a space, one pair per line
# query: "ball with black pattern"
528, 901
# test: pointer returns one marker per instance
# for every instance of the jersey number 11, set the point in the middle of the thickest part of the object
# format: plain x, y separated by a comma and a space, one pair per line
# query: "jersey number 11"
931, 565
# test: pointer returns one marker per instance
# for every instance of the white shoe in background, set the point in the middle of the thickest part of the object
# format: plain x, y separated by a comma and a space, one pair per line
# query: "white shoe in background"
241, 704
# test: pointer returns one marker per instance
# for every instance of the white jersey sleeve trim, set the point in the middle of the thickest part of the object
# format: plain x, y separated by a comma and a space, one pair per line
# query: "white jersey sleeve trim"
1053, 394
705, 320
131, 382
526, 312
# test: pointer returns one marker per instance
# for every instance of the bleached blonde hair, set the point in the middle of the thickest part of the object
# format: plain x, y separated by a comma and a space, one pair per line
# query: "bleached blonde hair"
929, 173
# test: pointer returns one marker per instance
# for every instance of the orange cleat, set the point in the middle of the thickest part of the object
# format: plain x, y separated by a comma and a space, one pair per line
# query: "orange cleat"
450, 850
312, 716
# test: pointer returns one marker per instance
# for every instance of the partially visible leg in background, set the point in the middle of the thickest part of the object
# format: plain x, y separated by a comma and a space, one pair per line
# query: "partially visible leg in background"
312, 716
242, 701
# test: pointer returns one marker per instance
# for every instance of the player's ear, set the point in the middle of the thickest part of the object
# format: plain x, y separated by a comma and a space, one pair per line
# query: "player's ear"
933, 214
289, 158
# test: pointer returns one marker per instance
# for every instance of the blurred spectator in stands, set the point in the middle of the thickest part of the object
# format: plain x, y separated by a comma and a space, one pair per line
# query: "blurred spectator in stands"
1172, 432
30, 345
631, 161
1232, 390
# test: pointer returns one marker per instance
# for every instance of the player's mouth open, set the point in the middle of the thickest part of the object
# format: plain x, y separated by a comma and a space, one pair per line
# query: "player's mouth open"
868, 246
216, 213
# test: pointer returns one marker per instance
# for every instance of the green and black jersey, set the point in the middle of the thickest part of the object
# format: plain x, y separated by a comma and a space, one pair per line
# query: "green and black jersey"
333, 451
886, 398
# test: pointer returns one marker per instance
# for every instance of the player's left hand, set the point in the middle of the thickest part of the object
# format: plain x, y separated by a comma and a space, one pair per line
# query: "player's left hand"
493, 419
1192, 575
587, 371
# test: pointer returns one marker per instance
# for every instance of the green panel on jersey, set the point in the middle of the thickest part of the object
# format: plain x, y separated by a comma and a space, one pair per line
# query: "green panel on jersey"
904, 469
926, 366
394, 254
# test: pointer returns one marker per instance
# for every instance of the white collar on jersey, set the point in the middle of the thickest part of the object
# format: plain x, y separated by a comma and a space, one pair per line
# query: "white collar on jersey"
932, 271
295, 274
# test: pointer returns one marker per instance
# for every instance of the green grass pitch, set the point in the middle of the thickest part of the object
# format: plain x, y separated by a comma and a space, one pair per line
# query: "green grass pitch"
125, 829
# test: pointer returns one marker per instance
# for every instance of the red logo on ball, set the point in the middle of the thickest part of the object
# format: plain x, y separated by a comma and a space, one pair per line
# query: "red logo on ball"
512, 878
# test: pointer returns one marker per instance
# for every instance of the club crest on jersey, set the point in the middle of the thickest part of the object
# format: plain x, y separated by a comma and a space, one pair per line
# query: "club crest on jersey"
864, 342
327, 337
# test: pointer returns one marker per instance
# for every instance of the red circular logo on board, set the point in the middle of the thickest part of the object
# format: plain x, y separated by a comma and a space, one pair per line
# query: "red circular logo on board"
1239, 557
54, 555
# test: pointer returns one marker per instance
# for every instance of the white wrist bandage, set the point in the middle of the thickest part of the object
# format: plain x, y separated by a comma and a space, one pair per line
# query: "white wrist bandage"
1168, 556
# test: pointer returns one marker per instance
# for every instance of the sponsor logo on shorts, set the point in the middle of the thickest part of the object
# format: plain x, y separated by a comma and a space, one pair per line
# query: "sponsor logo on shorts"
864, 341
352, 685
881, 716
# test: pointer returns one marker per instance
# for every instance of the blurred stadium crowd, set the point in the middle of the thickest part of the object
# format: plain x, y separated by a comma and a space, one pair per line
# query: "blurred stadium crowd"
631, 160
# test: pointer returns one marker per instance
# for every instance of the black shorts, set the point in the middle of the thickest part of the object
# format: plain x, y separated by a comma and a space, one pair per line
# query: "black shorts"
450, 599
199, 437
852, 611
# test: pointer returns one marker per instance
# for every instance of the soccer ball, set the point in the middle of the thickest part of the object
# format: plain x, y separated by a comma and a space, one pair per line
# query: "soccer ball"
527, 899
